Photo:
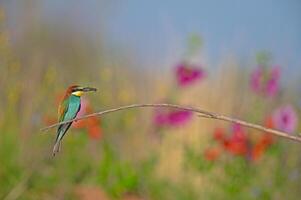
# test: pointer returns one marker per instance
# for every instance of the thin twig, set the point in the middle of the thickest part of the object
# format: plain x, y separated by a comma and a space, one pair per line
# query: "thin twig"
254, 126
200, 112
129, 107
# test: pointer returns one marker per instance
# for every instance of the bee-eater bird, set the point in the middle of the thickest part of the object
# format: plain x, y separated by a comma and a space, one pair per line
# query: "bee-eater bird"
68, 109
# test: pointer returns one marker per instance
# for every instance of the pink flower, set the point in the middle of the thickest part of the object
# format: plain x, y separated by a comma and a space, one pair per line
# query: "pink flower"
187, 74
265, 82
285, 119
171, 118
272, 84
160, 118
178, 117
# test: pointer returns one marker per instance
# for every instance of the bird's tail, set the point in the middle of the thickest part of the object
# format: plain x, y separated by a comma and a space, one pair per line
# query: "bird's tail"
60, 134
56, 147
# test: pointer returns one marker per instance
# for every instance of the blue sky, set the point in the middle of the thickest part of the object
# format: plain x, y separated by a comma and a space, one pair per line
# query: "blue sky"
154, 30
228, 27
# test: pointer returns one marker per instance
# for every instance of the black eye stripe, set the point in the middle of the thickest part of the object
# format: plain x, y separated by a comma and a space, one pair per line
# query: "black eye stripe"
77, 89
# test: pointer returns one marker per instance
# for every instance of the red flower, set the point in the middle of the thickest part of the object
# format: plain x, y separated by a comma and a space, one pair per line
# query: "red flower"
93, 126
94, 131
260, 147
212, 154
237, 143
267, 139
236, 147
238, 133
219, 134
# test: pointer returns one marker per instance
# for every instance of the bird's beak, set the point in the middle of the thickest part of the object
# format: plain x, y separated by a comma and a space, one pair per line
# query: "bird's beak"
89, 89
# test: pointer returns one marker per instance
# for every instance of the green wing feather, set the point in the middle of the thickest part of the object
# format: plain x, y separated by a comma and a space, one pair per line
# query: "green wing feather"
63, 109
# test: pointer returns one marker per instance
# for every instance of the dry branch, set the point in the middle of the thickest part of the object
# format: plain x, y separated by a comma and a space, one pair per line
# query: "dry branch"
201, 113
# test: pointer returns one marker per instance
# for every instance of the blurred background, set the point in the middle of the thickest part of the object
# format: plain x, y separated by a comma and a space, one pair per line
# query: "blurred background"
238, 58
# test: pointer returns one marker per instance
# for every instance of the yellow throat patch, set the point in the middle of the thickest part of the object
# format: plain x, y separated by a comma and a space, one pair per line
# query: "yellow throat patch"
78, 93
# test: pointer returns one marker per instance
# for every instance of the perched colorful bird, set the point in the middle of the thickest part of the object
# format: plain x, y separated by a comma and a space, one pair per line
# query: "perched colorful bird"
68, 109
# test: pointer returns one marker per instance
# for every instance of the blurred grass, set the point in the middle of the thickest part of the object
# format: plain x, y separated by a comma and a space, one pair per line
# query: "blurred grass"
129, 159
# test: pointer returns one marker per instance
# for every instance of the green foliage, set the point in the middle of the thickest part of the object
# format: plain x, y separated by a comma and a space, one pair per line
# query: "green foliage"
120, 177
10, 169
117, 177
237, 179
195, 160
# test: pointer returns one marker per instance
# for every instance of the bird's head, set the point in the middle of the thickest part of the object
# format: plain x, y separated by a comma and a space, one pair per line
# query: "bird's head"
79, 91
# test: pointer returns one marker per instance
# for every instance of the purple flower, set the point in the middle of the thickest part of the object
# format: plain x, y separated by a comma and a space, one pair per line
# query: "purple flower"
285, 119
188, 74
171, 118
179, 117
160, 118
272, 84
265, 82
